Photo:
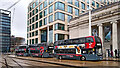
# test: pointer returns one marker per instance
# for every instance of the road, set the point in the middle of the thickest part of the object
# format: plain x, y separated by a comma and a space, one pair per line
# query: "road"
34, 62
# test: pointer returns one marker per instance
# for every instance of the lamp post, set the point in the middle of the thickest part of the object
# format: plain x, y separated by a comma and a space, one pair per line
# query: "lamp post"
89, 17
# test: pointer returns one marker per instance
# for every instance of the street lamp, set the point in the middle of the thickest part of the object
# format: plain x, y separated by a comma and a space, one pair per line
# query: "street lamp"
89, 17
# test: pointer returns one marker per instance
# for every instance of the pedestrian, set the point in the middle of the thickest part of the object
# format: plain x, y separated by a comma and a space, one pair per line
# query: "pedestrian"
115, 53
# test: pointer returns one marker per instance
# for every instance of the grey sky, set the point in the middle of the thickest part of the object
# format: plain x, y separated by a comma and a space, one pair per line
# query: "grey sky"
19, 24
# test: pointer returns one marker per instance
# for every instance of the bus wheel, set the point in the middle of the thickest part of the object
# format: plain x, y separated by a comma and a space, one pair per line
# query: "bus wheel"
82, 58
60, 57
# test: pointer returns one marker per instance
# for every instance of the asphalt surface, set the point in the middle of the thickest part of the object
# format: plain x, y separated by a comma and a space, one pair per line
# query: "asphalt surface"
35, 62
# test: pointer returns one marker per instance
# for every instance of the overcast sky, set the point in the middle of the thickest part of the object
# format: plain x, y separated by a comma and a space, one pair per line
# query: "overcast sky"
19, 18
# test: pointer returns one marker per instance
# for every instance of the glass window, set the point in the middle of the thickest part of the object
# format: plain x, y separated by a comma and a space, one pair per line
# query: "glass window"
69, 17
36, 17
45, 12
37, 10
59, 37
59, 26
51, 9
43, 36
93, 3
33, 5
97, 4
32, 33
32, 26
37, 2
33, 12
36, 40
77, 12
30, 14
45, 21
36, 32
50, 1
33, 20
83, 5
59, 16
41, 6
50, 18
107, 33
36, 24
77, 3
70, 9
40, 15
70, 1
40, 23
59, 5
87, 7
32, 41
89, 39
45, 3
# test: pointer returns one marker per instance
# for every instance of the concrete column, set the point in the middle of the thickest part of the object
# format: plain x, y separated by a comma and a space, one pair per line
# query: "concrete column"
101, 32
48, 33
114, 36
53, 33
39, 36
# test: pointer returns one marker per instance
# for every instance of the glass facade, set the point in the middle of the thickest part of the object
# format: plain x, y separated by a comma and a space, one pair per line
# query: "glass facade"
77, 12
43, 36
69, 17
50, 18
70, 9
59, 26
51, 9
5, 30
59, 16
59, 37
60, 6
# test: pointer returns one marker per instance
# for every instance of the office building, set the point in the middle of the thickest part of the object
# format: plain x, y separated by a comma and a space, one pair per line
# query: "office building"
5, 30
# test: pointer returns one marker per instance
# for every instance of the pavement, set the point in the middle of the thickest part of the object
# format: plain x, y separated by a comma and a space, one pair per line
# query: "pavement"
106, 62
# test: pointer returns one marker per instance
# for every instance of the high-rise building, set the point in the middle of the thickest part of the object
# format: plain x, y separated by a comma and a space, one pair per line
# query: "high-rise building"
48, 19
5, 30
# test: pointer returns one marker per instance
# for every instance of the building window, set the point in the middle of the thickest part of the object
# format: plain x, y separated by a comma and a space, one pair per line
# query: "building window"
93, 3
36, 40
36, 17
36, 24
32, 41
77, 3
50, 18
70, 9
32, 26
87, 7
30, 21
36, 32
59, 5
30, 14
83, 5
41, 7
45, 3
59, 37
40, 23
59, 26
37, 2
32, 33
37, 10
45, 21
51, 9
69, 17
50, 1
70, 1
43, 36
45, 12
33, 20
33, 5
97, 4
33, 12
40, 15
77, 12
59, 16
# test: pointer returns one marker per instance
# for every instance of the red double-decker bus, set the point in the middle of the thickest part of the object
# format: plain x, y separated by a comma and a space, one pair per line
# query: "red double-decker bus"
22, 50
85, 48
